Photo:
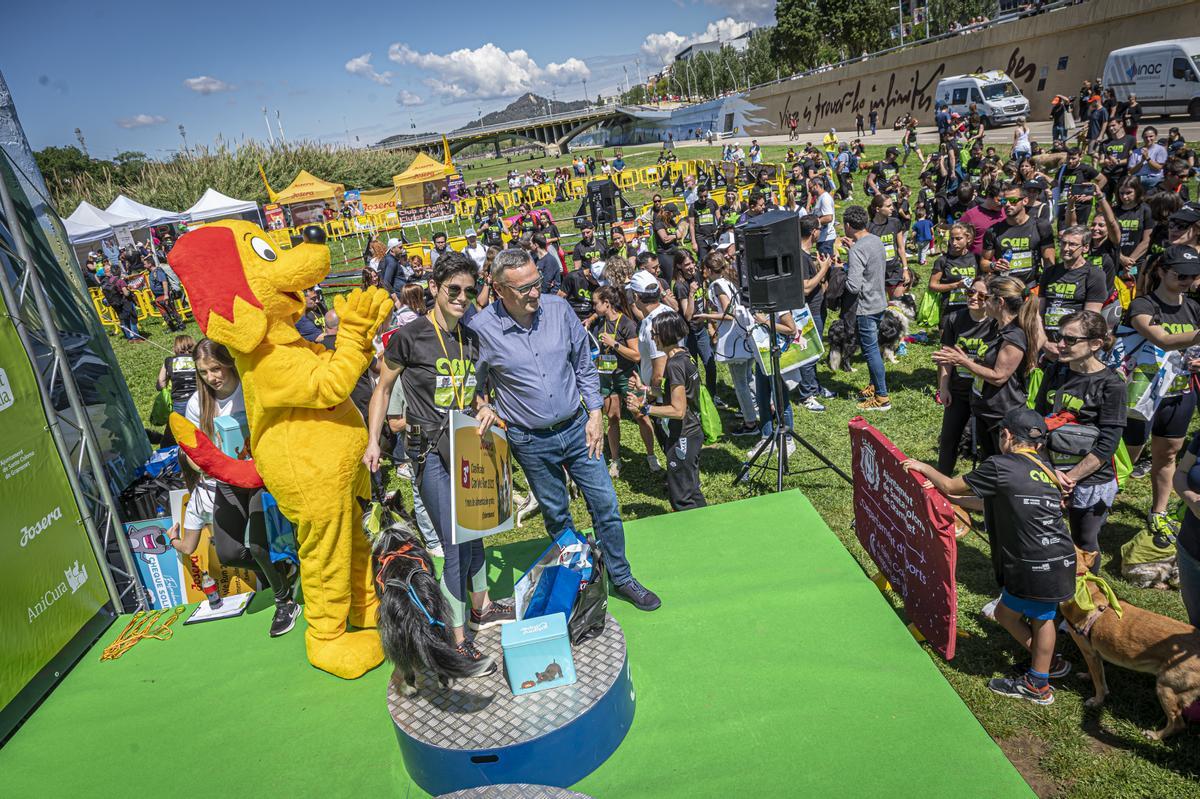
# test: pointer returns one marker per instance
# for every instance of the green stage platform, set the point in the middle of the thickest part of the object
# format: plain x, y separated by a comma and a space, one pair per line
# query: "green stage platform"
774, 668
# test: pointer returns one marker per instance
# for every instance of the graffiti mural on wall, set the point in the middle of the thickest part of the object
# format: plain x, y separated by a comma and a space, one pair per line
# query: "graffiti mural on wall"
913, 93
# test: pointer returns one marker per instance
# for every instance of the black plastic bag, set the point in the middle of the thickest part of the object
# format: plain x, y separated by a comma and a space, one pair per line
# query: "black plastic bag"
591, 605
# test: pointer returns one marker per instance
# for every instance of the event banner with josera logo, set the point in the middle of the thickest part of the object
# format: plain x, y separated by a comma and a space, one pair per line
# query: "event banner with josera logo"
50, 583
480, 480
907, 527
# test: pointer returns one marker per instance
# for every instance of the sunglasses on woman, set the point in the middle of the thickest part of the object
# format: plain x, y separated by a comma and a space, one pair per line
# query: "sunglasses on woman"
1055, 337
452, 292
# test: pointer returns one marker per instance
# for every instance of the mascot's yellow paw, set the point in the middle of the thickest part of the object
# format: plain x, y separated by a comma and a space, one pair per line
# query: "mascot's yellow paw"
349, 656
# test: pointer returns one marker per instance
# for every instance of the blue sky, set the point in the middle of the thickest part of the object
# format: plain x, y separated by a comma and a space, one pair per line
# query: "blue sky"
129, 78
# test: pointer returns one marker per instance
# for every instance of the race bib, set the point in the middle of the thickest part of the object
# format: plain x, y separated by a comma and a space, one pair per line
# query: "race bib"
444, 390
606, 364
889, 250
1021, 263
1055, 314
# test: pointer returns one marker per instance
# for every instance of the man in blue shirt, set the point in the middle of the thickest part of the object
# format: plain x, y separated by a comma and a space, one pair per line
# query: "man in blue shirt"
394, 270
536, 365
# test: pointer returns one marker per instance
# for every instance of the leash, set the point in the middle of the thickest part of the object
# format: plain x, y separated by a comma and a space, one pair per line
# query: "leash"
407, 584
144, 624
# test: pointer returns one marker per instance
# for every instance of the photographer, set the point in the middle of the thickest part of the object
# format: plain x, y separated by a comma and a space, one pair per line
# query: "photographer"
1077, 184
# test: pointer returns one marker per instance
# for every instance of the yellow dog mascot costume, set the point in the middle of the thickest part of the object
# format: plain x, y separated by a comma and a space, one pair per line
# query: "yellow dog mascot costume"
306, 438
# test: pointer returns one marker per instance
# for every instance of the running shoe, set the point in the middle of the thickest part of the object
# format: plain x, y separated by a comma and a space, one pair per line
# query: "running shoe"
1059, 667
652, 462
285, 618
1022, 688
878, 402
467, 649
745, 430
498, 612
1163, 526
641, 596
814, 405
1141, 468
867, 392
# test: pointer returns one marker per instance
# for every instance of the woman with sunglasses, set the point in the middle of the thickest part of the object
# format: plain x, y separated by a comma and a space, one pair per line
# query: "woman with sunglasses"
969, 328
1167, 318
1080, 384
999, 374
434, 359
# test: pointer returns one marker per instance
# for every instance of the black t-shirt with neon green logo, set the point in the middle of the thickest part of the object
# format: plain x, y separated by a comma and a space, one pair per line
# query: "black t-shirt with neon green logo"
578, 286
1182, 318
1065, 291
1021, 245
952, 269
1096, 399
887, 231
974, 338
437, 376
587, 251
1134, 222
1107, 257
705, 216
609, 360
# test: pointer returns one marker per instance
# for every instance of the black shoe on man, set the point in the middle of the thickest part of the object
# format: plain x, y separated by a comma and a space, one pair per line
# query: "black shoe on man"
641, 596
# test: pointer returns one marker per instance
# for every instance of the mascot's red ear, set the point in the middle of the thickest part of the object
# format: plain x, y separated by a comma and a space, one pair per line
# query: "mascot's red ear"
210, 267
209, 264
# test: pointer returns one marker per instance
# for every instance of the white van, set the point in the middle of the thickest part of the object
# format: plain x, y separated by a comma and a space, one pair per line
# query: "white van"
1164, 75
994, 94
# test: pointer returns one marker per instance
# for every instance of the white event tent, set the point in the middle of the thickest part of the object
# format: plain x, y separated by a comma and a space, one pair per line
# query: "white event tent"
215, 205
147, 216
89, 223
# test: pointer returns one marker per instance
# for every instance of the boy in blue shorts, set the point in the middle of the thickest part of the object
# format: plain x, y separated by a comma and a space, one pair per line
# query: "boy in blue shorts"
922, 234
1031, 547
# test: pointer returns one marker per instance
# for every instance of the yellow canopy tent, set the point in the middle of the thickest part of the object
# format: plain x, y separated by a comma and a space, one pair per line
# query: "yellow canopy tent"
307, 187
422, 183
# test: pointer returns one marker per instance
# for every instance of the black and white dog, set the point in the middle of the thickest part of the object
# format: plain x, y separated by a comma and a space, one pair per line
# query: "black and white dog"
412, 609
893, 327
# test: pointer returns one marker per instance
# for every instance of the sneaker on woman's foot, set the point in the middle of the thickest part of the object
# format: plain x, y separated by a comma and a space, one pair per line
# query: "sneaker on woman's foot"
652, 462
1141, 468
1022, 688
467, 649
745, 430
285, 618
497, 612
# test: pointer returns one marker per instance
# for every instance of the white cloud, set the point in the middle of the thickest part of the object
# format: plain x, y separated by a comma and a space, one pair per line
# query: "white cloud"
140, 121
487, 71
761, 11
665, 46
206, 85
405, 97
361, 66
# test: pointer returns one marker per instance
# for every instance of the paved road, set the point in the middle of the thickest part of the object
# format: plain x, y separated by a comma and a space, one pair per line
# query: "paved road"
999, 137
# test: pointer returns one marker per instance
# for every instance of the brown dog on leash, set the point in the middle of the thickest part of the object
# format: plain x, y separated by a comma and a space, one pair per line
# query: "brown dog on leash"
1138, 640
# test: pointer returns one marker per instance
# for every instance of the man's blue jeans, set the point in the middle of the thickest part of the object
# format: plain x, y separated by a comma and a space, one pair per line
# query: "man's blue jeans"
868, 339
543, 455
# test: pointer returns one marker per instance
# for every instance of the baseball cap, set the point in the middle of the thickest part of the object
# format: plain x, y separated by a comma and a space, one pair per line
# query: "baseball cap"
643, 282
1184, 260
1025, 423
587, 224
469, 232
892, 151
726, 240
1189, 214
393, 243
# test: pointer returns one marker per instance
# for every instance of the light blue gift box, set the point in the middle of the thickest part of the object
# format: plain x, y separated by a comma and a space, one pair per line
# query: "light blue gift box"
537, 653
233, 435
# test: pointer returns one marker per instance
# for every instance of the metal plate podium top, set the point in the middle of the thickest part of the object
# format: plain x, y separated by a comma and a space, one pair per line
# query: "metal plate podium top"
482, 713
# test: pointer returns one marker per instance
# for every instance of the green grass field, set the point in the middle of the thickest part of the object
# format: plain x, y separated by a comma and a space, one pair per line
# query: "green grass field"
1063, 750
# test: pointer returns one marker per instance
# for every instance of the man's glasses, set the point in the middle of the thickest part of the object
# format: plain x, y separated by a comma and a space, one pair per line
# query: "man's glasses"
452, 292
527, 289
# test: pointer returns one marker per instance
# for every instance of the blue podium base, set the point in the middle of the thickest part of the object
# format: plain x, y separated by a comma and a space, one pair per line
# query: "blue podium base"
477, 733
514, 792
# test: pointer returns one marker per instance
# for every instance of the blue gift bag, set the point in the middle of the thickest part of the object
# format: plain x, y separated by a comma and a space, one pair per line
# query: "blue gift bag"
552, 583
281, 535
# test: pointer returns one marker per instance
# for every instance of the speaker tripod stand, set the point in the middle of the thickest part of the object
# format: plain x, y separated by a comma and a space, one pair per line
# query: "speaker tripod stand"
759, 462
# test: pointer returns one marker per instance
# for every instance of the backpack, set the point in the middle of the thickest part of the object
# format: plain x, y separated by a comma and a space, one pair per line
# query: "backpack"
853, 164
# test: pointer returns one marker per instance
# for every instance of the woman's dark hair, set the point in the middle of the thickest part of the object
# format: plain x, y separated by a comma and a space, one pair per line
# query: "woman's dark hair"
1093, 324
613, 296
454, 263
877, 202
208, 349
1134, 184
184, 344
1163, 204
369, 277
680, 256
669, 328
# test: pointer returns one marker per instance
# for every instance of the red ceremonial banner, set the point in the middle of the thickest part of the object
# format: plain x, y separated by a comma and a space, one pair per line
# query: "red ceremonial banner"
908, 530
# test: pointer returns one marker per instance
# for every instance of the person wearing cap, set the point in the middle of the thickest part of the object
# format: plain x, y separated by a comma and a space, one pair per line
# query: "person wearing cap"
647, 300
879, 179
474, 250
1097, 121
394, 270
702, 222
1166, 317
535, 364
590, 247
1058, 117
1032, 552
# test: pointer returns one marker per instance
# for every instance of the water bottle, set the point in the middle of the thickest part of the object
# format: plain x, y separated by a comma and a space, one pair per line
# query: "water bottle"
209, 586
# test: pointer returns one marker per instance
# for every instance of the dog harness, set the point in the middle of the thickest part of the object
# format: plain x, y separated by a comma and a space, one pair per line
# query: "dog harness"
407, 584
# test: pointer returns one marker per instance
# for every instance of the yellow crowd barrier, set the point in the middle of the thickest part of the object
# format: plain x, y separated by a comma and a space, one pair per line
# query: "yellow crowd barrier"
143, 300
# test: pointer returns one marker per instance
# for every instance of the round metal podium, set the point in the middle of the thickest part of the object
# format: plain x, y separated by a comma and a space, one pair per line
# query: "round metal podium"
477, 733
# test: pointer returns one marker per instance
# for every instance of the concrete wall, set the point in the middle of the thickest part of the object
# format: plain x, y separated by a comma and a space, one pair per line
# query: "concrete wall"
1048, 54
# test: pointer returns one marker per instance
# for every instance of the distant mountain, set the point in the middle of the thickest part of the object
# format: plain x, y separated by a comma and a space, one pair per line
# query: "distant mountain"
526, 106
